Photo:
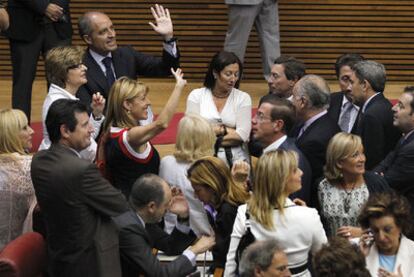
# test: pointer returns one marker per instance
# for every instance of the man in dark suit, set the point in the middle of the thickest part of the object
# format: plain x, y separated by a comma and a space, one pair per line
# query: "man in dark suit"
35, 27
107, 62
139, 233
75, 200
398, 166
375, 119
314, 128
274, 119
341, 109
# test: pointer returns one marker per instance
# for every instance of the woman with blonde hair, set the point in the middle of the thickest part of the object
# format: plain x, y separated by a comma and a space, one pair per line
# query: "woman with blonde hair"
16, 189
221, 195
272, 215
195, 139
346, 186
66, 74
128, 154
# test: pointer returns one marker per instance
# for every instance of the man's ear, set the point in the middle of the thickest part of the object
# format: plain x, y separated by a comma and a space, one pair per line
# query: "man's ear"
257, 272
87, 39
64, 131
278, 125
152, 207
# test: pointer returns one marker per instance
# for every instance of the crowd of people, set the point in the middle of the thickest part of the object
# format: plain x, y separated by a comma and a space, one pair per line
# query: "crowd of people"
329, 192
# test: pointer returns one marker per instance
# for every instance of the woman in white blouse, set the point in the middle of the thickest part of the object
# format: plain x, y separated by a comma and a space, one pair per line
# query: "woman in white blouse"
66, 73
223, 105
298, 230
195, 139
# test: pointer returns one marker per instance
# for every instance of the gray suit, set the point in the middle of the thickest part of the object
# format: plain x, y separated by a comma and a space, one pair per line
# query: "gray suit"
77, 203
264, 15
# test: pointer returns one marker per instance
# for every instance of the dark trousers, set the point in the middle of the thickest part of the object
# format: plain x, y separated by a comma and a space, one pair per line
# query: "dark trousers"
24, 57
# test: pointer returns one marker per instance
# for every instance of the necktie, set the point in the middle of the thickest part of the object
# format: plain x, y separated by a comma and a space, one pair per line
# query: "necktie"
110, 76
345, 117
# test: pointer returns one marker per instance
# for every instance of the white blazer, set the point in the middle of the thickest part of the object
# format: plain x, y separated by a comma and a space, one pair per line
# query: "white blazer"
405, 258
298, 231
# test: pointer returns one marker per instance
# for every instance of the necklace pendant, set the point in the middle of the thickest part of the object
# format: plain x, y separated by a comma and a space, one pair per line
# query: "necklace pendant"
347, 205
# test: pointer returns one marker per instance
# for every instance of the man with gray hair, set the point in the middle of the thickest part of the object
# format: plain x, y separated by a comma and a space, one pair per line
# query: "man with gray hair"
150, 198
314, 128
375, 119
264, 258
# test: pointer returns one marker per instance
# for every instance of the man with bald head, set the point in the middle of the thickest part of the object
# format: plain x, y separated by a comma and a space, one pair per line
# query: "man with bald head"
314, 129
107, 62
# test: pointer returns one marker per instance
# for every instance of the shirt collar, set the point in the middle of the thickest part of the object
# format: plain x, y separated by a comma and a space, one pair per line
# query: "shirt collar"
98, 57
56, 89
275, 145
364, 107
313, 119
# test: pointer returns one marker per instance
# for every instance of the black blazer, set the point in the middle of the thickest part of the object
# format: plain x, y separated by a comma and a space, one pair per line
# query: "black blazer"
314, 141
378, 134
136, 243
127, 62
335, 106
77, 203
305, 192
27, 17
398, 168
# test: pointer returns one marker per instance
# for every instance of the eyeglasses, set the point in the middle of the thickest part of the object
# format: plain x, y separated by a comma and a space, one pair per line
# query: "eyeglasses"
75, 66
260, 117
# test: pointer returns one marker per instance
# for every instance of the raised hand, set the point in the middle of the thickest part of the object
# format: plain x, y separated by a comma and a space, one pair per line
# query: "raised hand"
178, 204
179, 77
365, 241
98, 104
349, 232
240, 171
163, 24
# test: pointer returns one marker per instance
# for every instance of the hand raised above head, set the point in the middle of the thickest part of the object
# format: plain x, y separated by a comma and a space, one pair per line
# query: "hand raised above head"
163, 24
179, 77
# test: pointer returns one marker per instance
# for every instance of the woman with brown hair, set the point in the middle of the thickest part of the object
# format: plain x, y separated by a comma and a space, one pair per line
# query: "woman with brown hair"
273, 215
16, 189
214, 186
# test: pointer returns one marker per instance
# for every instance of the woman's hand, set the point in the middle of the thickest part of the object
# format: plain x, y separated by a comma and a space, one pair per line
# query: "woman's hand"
179, 204
179, 77
383, 273
98, 104
299, 202
365, 241
349, 232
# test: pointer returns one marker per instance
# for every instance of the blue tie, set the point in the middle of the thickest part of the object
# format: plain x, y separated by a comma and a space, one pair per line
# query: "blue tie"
110, 76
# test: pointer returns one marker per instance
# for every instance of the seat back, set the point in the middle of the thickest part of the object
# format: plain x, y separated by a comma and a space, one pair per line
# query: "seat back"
25, 256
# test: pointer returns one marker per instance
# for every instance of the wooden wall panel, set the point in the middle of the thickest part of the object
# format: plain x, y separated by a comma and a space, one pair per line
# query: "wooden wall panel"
315, 31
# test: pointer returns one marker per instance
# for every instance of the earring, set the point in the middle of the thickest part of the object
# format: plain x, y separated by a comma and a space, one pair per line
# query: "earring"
128, 112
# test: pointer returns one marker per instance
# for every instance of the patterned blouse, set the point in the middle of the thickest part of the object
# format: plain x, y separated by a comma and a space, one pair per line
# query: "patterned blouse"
339, 207
17, 196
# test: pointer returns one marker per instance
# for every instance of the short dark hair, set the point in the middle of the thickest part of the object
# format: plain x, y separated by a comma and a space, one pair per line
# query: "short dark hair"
339, 258
62, 112
348, 59
371, 71
258, 255
219, 61
387, 204
282, 109
294, 69
146, 188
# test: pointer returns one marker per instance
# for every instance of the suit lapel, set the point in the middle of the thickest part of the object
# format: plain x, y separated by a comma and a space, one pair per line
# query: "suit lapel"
95, 73
310, 127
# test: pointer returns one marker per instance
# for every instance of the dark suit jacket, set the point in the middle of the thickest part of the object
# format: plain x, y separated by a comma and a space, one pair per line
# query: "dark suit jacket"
313, 143
77, 203
127, 62
398, 169
334, 110
375, 126
136, 243
305, 192
26, 17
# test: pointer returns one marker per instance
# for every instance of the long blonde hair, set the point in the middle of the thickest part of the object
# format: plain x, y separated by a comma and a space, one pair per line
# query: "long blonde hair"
270, 185
213, 173
12, 121
195, 139
124, 89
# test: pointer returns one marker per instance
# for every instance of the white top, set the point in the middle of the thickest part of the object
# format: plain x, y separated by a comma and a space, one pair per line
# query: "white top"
175, 174
405, 258
55, 93
236, 113
298, 231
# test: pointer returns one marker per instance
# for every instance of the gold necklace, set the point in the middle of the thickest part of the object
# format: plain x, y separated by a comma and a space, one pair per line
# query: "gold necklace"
221, 96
